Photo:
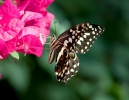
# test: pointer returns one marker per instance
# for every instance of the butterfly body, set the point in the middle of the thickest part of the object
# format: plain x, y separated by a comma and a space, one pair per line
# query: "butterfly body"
77, 39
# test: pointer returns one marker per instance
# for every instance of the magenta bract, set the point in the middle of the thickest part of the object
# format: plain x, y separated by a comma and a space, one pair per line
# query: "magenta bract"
24, 26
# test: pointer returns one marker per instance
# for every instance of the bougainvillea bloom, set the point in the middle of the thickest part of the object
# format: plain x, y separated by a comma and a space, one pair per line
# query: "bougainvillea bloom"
24, 26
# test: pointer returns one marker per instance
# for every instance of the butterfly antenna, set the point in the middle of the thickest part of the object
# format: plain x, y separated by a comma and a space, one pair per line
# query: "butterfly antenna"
55, 26
59, 24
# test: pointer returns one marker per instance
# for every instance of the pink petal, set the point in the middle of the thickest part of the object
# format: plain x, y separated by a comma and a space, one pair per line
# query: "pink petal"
22, 4
30, 30
4, 53
30, 16
24, 29
2, 48
8, 9
29, 44
45, 22
11, 29
42, 22
34, 5
9, 47
2, 44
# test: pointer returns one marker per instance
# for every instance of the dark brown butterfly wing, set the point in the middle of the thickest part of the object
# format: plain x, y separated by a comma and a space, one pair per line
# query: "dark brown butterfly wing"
66, 66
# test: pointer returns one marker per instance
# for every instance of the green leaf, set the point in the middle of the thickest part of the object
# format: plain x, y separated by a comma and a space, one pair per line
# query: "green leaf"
15, 55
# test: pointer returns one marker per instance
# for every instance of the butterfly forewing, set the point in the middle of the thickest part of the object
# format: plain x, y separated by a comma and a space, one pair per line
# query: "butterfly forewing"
83, 36
77, 39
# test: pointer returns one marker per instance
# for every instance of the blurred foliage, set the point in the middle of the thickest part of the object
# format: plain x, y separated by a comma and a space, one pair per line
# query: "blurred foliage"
103, 72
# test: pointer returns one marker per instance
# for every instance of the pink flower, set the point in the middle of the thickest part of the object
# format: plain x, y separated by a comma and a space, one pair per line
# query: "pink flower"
24, 28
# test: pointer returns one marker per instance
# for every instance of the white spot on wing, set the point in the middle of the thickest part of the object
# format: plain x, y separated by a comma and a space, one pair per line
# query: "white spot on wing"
81, 39
90, 26
65, 42
72, 75
95, 29
63, 70
93, 32
94, 37
83, 30
82, 50
67, 79
70, 39
82, 25
71, 30
99, 27
78, 31
78, 42
90, 39
71, 70
61, 75
67, 63
76, 51
84, 36
75, 66
56, 73
87, 33
85, 47
67, 72
87, 43
73, 36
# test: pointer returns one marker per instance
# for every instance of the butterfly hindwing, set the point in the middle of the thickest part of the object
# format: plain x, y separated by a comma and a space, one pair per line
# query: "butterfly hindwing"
62, 65
66, 65
73, 65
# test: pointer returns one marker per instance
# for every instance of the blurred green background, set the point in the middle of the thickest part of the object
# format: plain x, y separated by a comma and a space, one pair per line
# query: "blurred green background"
103, 71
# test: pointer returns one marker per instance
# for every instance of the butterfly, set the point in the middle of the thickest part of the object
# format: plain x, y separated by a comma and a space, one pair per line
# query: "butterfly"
76, 40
